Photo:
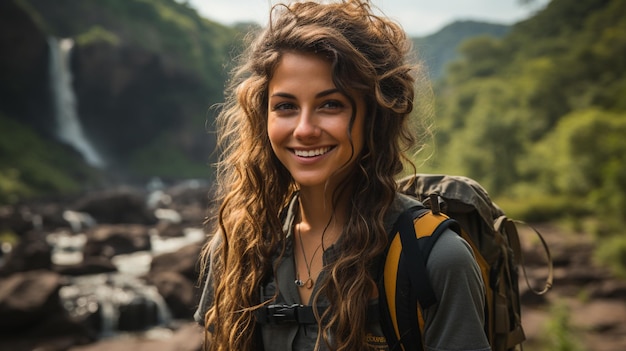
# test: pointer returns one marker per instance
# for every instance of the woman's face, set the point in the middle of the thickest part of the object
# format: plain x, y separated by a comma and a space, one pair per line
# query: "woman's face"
309, 121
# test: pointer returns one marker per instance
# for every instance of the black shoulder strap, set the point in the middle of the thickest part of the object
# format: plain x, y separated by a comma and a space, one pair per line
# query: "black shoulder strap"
413, 258
412, 284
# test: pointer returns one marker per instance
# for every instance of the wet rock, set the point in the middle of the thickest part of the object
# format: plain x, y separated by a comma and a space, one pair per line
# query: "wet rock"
28, 298
111, 240
170, 230
16, 220
180, 294
123, 205
90, 265
183, 261
175, 275
32, 252
139, 313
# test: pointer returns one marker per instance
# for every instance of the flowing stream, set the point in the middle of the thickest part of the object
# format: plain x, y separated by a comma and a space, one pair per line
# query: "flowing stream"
119, 302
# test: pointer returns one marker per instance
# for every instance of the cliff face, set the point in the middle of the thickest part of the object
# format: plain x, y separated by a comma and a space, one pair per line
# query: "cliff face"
24, 91
128, 98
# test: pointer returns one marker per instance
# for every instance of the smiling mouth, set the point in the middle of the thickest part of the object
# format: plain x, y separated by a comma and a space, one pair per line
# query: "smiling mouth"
312, 153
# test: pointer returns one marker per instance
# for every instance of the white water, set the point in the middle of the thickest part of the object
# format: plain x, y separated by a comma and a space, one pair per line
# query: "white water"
69, 128
104, 295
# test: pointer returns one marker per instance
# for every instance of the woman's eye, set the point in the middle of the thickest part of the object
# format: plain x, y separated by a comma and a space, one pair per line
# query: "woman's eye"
283, 106
332, 104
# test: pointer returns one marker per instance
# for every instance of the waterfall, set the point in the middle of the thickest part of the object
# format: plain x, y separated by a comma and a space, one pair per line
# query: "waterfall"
69, 129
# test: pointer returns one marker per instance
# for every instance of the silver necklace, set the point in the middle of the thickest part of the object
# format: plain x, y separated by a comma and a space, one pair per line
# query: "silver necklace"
308, 283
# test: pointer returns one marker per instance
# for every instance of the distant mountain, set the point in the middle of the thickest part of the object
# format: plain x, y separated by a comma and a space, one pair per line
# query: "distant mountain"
438, 49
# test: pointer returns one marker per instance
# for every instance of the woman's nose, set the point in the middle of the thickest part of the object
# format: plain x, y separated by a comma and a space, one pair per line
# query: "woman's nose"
307, 126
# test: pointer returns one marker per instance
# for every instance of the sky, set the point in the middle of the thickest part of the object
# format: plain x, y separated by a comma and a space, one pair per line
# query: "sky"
418, 17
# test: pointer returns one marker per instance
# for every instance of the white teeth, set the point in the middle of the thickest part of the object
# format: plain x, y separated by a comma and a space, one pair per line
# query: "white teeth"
312, 153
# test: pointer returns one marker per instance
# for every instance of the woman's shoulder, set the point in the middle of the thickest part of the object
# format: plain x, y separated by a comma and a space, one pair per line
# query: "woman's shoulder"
451, 251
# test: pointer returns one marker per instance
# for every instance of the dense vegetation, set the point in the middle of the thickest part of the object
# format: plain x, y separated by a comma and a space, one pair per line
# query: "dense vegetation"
41, 168
539, 118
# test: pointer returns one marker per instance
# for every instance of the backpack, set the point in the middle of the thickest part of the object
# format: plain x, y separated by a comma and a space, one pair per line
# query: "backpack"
463, 205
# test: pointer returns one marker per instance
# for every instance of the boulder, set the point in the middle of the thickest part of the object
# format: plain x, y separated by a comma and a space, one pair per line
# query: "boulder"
183, 261
115, 239
180, 294
116, 206
89, 265
32, 252
28, 298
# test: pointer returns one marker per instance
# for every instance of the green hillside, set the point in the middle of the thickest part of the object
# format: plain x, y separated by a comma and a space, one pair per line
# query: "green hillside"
539, 118
438, 49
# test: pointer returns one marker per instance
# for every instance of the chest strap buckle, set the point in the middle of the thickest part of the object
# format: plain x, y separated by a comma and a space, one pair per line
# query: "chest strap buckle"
282, 314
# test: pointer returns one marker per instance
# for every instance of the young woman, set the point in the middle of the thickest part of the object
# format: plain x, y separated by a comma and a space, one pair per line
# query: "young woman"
313, 133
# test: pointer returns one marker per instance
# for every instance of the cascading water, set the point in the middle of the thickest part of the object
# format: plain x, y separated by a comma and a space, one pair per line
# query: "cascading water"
114, 303
117, 302
69, 129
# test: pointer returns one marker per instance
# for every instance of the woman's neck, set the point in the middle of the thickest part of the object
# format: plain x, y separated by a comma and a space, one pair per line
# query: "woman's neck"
320, 214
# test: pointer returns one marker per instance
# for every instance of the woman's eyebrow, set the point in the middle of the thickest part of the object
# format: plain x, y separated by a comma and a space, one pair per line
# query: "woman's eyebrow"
326, 92
318, 95
284, 95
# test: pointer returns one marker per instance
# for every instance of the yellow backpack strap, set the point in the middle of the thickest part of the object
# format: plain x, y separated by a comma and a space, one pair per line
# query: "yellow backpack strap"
406, 284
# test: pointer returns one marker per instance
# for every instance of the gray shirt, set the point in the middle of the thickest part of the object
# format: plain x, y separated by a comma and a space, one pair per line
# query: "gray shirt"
455, 322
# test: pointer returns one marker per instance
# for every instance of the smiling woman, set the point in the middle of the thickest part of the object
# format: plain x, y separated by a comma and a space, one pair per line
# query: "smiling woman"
315, 128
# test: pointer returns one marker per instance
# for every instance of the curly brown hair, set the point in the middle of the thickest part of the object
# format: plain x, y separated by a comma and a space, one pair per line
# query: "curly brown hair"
370, 56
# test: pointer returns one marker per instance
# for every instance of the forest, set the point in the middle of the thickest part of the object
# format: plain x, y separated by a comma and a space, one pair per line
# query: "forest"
539, 118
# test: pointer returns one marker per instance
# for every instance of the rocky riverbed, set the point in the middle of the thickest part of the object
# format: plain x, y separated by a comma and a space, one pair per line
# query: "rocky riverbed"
117, 270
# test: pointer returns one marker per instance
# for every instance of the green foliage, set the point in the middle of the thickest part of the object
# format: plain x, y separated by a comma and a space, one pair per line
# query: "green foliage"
559, 334
538, 116
8, 237
541, 207
31, 166
591, 151
611, 252
97, 34
481, 132
485, 52
12, 188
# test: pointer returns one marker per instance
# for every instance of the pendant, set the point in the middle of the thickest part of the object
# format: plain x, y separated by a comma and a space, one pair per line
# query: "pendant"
304, 284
